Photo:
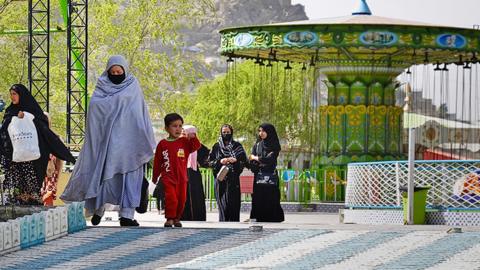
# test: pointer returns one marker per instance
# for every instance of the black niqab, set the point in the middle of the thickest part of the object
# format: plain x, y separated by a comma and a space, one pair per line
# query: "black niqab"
229, 148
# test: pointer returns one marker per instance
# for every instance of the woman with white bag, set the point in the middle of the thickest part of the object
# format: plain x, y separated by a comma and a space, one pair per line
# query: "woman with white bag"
26, 143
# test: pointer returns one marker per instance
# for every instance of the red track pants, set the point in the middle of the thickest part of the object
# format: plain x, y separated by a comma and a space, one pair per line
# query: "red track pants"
175, 197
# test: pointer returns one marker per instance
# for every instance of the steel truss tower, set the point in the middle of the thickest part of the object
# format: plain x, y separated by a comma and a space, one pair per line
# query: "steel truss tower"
39, 50
77, 98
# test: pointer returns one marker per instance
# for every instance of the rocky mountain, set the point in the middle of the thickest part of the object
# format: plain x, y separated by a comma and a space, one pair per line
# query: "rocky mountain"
205, 38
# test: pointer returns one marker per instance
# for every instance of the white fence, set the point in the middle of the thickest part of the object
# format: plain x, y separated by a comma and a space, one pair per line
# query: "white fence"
453, 184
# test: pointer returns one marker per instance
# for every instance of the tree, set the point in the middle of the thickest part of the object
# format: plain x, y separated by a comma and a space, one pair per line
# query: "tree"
247, 97
145, 31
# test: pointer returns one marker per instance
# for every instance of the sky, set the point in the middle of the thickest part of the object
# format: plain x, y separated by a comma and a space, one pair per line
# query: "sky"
459, 13
456, 13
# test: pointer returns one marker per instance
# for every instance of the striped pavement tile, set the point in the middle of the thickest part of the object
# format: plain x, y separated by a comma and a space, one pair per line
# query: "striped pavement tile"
436, 253
387, 251
342, 250
72, 241
239, 238
159, 248
124, 249
159, 251
96, 244
247, 251
297, 250
467, 259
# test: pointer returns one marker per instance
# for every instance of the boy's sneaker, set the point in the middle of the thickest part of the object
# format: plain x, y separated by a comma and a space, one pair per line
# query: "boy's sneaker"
168, 223
96, 220
125, 222
177, 224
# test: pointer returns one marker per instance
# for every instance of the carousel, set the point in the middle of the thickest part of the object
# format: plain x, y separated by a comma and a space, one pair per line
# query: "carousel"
367, 81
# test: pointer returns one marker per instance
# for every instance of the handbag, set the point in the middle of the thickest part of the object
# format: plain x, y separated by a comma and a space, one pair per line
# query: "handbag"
266, 178
222, 174
142, 208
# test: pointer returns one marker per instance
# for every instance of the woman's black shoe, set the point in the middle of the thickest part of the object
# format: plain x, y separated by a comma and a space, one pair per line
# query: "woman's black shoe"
96, 220
128, 222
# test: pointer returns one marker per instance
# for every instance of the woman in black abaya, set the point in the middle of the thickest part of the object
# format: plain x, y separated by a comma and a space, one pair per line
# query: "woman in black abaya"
26, 178
230, 153
263, 163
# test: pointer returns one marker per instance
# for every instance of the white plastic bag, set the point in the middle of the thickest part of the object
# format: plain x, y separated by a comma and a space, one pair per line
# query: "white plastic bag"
24, 137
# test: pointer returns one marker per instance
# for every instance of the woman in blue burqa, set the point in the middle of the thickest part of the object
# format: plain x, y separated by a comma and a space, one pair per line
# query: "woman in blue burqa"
119, 140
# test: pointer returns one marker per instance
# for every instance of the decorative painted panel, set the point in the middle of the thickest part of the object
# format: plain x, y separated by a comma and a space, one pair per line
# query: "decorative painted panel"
342, 93
376, 128
336, 132
378, 38
375, 94
300, 38
331, 94
449, 40
394, 116
358, 93
355, 128
389, 95
323, 129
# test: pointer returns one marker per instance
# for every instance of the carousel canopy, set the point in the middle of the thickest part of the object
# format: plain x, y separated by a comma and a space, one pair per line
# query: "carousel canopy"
357, 40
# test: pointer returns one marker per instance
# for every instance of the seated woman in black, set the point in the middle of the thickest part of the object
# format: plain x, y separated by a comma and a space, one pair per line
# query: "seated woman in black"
263, 163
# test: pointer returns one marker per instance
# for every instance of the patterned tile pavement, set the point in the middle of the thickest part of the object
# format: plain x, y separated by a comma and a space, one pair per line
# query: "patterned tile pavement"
241, 248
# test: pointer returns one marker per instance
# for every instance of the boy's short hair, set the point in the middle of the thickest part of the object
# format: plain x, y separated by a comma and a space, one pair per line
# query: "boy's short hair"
172, 117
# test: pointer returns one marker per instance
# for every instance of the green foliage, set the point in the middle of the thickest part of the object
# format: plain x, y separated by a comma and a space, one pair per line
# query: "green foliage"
245, 98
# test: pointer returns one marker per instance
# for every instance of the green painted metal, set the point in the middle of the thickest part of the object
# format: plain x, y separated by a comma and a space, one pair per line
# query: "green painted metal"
208, 182
76, 55
389, 46
25, 32
64, 10
326, 184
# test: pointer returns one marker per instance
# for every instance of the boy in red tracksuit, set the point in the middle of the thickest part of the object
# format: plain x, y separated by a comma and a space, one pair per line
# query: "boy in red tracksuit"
170, 162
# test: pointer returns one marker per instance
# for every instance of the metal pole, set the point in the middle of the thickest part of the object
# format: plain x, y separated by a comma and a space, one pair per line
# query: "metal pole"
411, 154
411, 167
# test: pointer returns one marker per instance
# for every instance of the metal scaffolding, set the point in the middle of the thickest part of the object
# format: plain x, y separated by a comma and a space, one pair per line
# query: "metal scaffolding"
77, 98
39, 50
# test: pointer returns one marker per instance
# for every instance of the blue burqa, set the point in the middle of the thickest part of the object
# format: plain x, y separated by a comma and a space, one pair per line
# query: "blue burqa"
119, 140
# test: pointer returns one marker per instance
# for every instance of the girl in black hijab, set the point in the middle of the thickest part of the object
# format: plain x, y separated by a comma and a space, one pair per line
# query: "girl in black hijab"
263, 163
230, 153
26, 178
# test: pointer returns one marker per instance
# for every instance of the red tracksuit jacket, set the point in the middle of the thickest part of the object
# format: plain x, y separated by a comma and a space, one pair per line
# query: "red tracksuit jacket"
171, 159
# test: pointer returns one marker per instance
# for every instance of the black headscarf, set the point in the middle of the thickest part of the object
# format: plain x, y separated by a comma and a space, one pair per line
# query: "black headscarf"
27, 103
271, 143
229, 148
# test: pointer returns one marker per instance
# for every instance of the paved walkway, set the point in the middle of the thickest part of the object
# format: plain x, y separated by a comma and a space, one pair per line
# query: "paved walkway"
304, 241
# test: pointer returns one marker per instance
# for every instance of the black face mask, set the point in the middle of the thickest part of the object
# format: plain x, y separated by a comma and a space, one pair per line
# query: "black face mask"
116, 79
226, 137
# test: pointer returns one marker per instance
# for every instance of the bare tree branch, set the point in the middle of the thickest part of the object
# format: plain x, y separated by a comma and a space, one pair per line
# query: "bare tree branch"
4, 4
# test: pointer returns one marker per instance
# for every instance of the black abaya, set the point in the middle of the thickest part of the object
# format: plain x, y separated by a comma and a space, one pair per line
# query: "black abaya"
195, 209
266, 205
227, 192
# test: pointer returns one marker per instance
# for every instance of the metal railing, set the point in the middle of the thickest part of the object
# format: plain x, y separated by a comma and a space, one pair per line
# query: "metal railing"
454, 185
303, 186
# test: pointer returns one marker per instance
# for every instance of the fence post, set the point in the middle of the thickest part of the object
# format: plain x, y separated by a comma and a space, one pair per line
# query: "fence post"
397, 178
